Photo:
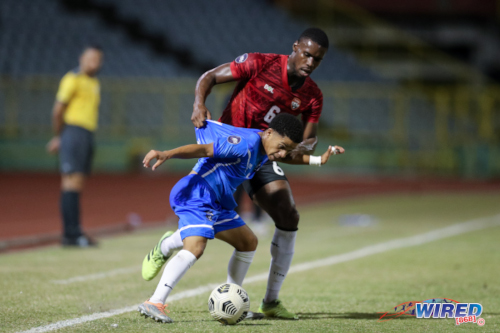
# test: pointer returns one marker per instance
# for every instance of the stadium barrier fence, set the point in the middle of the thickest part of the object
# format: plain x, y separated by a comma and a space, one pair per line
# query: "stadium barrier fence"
387, 129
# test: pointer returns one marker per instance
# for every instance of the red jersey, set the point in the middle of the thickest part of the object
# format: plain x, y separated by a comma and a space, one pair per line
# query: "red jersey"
263, 92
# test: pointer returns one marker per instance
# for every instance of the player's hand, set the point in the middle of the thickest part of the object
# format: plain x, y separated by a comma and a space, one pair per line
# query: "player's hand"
332, 150
53, 145
306, 147
200, 114
154, 154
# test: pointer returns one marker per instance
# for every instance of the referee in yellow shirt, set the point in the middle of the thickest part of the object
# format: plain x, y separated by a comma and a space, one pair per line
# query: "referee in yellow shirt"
74, 121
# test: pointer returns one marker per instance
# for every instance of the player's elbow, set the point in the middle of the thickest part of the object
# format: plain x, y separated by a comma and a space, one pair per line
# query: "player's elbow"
58, 109
209, 77
209, 150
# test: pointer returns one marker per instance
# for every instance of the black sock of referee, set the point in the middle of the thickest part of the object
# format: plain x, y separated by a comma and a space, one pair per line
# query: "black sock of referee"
70, 211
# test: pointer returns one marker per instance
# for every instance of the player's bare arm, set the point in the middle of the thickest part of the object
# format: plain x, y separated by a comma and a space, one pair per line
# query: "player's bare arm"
306, 159
218, 75
308, 145
57, 125
184, 152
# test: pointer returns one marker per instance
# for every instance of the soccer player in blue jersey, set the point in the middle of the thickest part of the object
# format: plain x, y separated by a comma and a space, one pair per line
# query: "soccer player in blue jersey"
204, 200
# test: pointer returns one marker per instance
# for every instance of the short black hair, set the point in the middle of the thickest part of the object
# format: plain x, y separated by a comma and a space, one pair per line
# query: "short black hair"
93, 46
287, 125
316, 35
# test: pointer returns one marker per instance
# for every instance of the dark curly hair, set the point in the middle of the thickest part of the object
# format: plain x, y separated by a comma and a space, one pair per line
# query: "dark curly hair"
316, 35
287, 125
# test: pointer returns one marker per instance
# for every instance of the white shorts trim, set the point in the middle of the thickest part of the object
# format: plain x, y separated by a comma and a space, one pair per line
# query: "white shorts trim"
227, 220
196, 226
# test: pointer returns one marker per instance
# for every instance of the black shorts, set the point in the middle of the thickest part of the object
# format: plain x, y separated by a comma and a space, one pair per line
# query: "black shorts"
269, 172
76, 151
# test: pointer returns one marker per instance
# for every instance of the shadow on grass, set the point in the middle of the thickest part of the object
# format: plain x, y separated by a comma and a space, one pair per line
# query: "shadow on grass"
243, 323
348, 315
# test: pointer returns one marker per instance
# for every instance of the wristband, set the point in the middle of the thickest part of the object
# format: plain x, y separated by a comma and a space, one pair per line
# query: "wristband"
315, 160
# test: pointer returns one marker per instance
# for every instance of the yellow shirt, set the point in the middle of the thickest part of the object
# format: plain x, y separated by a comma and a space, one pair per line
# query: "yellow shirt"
82, 95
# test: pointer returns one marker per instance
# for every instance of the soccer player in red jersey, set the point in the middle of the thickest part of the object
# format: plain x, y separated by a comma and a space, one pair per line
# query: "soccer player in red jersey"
267, 85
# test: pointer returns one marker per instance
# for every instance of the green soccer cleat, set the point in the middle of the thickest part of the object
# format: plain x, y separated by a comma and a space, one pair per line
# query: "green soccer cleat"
254, 315
275, 309
155, 260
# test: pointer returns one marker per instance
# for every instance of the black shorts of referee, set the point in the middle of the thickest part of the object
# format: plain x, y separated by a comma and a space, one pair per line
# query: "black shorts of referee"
76, 151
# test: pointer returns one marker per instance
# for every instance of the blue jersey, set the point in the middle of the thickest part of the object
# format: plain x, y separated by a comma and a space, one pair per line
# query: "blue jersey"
236, 157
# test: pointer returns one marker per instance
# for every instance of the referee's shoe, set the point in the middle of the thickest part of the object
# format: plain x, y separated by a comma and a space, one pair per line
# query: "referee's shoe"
81, 241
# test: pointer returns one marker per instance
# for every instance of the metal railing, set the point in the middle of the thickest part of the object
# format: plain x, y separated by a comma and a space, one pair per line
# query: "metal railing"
420, 128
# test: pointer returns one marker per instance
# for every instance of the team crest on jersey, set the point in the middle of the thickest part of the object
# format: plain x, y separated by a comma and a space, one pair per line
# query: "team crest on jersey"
295, 103
241, 58
234, 139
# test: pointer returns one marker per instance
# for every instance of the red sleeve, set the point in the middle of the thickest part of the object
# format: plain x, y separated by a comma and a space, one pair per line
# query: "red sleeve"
312, 115
247, 65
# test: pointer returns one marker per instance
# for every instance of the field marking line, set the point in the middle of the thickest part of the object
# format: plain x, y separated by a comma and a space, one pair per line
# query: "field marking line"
96, 276
446, 232
134, 269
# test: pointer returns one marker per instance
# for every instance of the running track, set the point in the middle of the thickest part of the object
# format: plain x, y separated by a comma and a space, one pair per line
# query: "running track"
29, 202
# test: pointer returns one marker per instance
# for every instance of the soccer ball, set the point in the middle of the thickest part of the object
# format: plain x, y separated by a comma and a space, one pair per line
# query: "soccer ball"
229, 304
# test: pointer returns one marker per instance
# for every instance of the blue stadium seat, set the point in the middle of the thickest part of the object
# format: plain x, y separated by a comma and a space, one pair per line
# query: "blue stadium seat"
46, 31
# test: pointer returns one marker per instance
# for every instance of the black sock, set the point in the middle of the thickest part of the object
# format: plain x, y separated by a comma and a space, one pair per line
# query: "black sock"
70, 211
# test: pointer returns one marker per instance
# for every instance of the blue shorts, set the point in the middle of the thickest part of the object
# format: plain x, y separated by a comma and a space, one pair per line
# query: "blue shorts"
76, 151
195, 203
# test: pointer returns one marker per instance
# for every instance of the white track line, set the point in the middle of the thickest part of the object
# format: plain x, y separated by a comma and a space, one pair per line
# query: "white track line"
96, 276
453, 230
133, 269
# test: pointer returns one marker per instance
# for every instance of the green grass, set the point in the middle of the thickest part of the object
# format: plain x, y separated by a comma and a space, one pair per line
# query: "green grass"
338, 298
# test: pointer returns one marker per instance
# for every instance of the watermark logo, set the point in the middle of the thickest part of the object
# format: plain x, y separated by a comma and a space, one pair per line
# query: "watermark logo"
403, 309
438, 308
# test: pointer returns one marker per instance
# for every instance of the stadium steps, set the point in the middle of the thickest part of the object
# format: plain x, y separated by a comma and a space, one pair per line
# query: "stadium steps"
158, 42
385, 49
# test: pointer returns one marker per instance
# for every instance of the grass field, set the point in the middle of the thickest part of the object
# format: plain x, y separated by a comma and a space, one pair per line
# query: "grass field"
342, 297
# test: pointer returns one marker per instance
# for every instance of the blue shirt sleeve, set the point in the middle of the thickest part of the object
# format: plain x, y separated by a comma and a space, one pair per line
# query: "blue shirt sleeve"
232, 146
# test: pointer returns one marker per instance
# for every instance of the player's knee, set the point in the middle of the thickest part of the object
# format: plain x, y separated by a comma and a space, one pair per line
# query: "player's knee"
196, 251
196, 248
249, 243
73, 182
294, 218
252, 243
289, 219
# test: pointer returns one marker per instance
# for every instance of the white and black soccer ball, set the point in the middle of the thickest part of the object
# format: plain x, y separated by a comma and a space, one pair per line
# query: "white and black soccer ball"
229, 304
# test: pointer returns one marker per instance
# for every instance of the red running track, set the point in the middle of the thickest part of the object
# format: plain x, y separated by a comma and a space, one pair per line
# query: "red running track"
29, 202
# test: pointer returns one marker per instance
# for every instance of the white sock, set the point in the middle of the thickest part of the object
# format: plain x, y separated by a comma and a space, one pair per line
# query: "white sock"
174, 271
282, 248
238, 266
172, 243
